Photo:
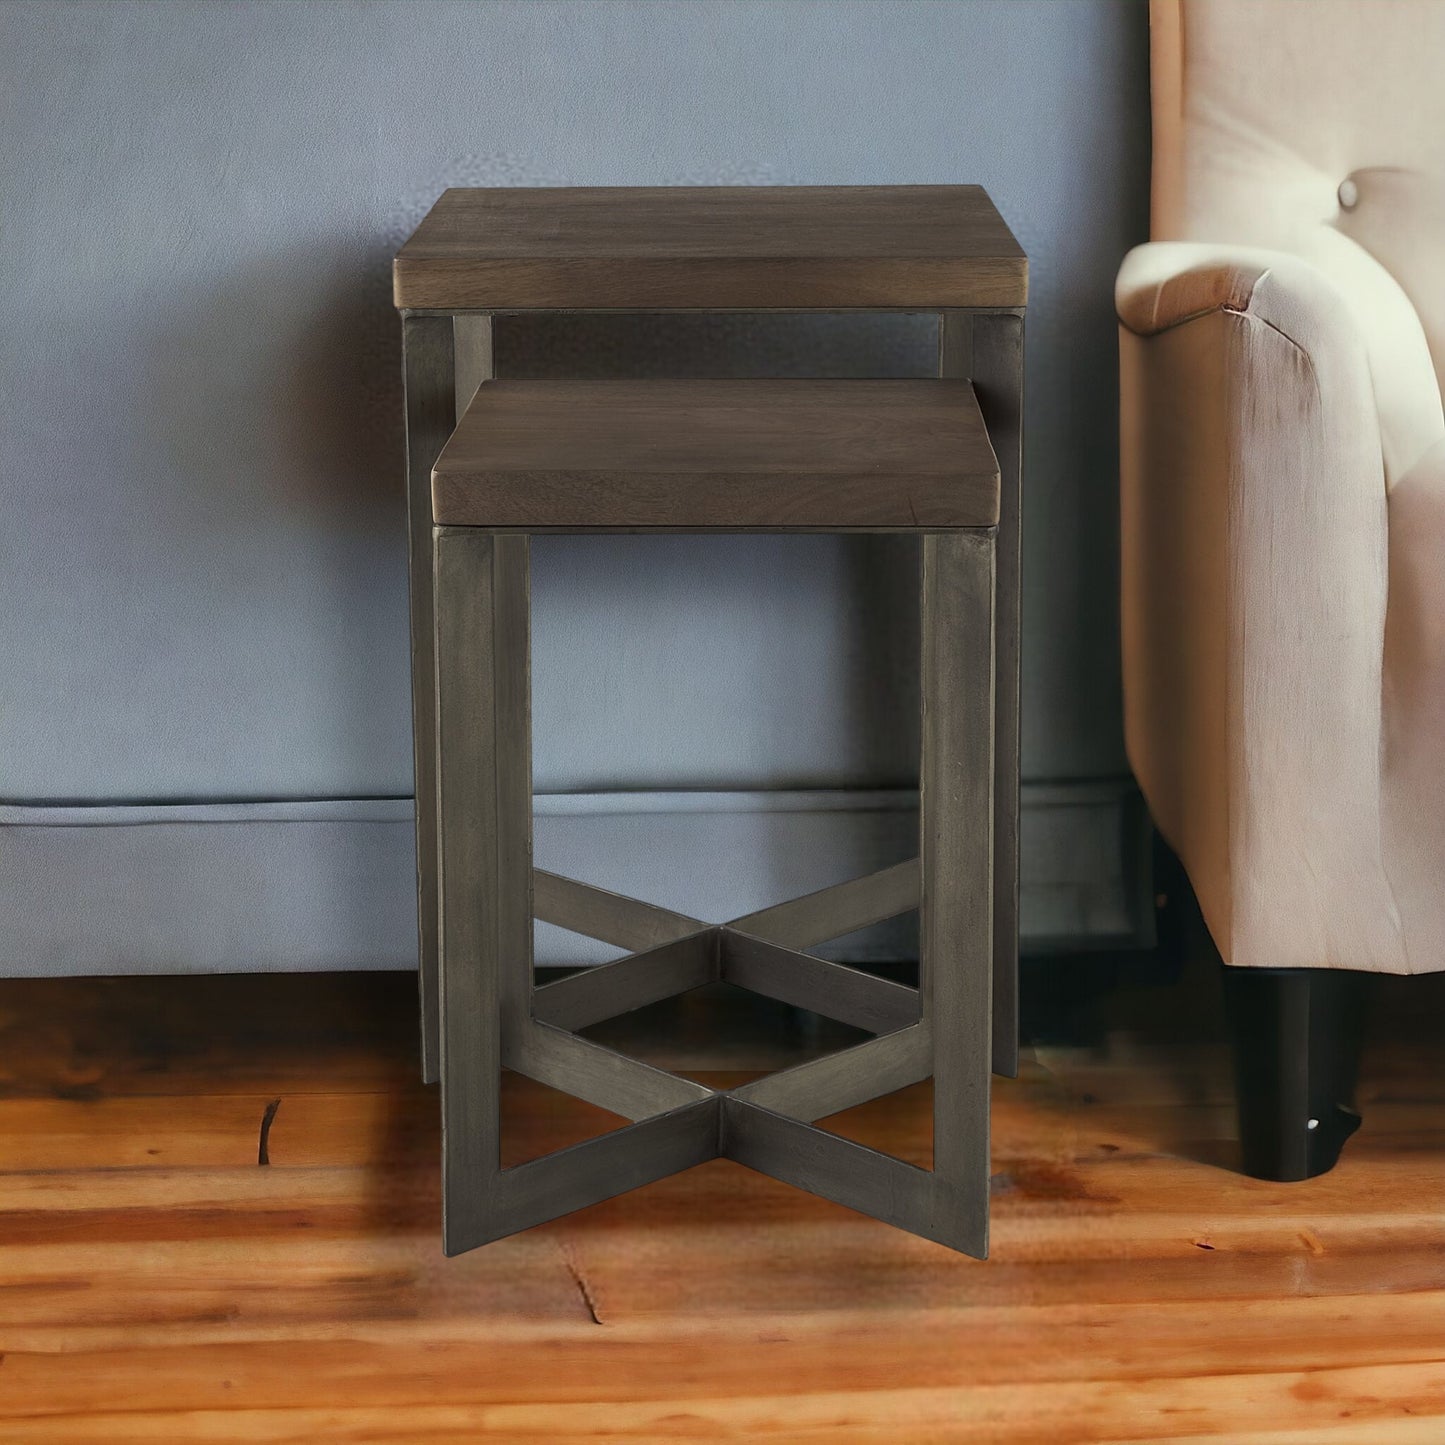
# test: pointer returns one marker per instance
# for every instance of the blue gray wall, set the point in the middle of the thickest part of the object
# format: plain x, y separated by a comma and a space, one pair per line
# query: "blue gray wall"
202, 571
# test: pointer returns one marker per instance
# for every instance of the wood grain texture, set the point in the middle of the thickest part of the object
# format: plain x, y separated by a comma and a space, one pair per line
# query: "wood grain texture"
711, 247
1135, 1292
737, 455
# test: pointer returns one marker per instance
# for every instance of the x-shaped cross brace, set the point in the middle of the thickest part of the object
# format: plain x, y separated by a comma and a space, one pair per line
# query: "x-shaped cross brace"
765, 1124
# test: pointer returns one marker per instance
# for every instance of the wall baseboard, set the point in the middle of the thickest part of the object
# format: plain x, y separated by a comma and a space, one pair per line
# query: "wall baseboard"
303, 886
1087, 866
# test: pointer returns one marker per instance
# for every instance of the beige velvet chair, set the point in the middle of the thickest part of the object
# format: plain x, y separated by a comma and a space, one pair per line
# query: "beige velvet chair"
1282, 345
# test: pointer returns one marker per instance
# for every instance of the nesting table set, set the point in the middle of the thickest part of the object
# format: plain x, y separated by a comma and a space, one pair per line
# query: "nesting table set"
490, 462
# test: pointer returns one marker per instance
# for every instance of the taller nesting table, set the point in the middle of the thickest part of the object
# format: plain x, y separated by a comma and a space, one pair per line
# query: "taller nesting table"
491, 461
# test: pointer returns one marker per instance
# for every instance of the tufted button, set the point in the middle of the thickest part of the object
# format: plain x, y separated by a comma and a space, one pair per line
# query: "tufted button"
1349, 194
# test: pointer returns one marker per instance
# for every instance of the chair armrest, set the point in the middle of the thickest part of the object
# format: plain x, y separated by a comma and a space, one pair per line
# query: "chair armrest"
1166, 283
1253, 509
1341, 295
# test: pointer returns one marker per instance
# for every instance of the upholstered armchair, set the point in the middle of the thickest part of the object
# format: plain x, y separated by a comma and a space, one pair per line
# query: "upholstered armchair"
1282, 344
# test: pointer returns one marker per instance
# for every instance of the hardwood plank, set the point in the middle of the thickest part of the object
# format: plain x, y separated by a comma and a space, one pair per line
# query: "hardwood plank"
84, 1039
712, 247
1135, 1293
1350, 1401
1043, 1222
399, 1361
739, 455
211, 1132
1413, 1430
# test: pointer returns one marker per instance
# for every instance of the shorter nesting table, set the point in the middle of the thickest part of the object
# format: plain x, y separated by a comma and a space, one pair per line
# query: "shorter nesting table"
492, 461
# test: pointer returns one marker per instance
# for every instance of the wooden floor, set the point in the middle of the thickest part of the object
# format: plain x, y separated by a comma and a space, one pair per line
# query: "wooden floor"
218, 1221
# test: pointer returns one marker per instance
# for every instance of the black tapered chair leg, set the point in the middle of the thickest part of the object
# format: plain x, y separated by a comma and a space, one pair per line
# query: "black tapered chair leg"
1296, 1034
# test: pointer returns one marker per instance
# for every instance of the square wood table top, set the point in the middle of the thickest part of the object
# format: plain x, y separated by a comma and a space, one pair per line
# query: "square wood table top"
711, 248
735, 455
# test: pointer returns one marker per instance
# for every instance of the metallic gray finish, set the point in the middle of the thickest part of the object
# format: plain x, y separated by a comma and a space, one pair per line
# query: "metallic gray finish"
492, 1015
611, 917
430, 416
831, 989
956, 830
512, 775
921, 1201
445, 358
610, 989
832, 912
957, 1025
988, 346
468, 882
472, 354
602, 1076
820, 1087
597, 1169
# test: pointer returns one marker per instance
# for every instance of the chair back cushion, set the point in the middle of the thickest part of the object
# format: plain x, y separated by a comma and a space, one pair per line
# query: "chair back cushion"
1317, 127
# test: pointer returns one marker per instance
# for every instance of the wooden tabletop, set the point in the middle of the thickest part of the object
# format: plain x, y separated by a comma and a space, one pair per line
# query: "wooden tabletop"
711, 248
730, 455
